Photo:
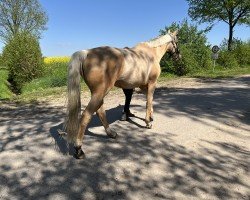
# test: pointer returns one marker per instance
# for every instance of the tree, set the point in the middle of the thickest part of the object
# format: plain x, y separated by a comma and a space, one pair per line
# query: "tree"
193, 48
21, 16
231, 12
22, 55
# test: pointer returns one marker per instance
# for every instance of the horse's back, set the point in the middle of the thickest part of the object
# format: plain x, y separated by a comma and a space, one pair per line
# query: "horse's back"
138, 64
125, 68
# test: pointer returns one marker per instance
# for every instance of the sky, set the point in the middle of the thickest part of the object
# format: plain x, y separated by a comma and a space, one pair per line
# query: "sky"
82, 24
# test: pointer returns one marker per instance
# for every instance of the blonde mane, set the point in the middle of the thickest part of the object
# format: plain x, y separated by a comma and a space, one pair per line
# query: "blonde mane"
161, 40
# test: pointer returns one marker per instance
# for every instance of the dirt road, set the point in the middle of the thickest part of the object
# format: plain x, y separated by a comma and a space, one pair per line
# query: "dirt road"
199, 147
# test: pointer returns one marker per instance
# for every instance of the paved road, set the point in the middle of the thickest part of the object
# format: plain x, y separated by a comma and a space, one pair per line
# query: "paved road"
199, 147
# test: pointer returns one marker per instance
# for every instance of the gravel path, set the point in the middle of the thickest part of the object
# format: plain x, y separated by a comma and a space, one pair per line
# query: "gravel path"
199, 147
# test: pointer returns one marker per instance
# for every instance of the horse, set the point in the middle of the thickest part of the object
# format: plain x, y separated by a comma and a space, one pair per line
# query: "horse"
104, 67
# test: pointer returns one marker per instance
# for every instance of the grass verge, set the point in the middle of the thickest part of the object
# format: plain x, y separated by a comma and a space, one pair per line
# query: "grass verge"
220, 72
53, 84
5, 92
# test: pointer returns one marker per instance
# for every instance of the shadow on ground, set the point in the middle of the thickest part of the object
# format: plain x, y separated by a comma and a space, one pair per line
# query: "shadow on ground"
138, 165
228, 105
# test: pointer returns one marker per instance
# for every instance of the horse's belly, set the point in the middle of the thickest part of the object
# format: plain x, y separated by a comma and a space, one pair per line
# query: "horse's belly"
135, 72
126, 84
132, 79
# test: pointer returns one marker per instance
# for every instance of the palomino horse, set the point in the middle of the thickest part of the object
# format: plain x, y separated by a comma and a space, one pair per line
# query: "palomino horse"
105, 67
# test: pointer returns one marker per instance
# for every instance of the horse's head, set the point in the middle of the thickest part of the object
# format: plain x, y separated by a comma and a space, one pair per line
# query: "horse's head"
173, 49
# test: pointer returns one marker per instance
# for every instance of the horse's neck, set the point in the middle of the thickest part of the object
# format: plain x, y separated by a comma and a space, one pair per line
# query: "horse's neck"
161, 50
141, 47
158, 52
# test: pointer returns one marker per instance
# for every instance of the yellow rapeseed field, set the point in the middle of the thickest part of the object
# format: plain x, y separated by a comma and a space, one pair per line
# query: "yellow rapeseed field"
58, 59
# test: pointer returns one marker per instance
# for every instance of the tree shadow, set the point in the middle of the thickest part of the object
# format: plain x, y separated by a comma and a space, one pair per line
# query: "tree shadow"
113, 115
224, 104
140, 164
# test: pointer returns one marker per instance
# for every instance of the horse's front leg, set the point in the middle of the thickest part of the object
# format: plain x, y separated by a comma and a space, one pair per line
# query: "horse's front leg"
126, 111
149, 105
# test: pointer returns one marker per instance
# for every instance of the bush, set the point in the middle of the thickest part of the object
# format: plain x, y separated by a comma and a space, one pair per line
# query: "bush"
196, 54
54, 75
22, 55
187, 64
1, 60
238, 56
242, 54
227, 59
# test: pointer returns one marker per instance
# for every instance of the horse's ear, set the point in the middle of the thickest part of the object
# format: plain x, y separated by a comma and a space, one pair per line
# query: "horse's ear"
175, 33
169, 32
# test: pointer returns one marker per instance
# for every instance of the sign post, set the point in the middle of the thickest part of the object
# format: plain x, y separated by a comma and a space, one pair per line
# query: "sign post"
215, 55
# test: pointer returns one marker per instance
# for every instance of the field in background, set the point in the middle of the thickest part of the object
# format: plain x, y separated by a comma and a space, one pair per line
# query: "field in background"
54, 76
54, 79
58, 59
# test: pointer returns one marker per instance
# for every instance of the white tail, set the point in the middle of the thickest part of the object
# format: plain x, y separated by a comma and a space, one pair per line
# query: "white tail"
74, 97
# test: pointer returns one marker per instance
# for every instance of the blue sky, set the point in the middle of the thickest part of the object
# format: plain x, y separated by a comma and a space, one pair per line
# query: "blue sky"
81, 24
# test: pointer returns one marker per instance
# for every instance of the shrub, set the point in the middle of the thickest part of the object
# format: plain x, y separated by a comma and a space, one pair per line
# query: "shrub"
187, 64
1, 60
238, 56
242, 54
227, 59
54, 75
22, 55
196, 54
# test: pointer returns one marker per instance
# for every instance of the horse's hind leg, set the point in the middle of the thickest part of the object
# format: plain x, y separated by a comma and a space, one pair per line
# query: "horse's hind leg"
102, 116
149, 106
94, 104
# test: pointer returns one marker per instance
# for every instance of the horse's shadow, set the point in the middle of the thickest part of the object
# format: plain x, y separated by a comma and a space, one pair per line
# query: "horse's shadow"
112, 114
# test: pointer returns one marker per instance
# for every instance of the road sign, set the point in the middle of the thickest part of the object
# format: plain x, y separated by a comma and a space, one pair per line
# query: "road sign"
215, 56
215, 49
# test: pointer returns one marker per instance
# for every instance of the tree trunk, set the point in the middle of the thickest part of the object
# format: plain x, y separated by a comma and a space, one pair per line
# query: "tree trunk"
230, 39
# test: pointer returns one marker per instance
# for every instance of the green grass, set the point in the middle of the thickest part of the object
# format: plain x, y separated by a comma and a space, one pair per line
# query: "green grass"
54, 76
53, 83
220, 72
40, 94
5, 92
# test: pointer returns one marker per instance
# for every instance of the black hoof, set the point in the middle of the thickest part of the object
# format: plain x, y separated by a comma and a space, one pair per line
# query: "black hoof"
79, 154
126, 116
129, 114
113, 136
